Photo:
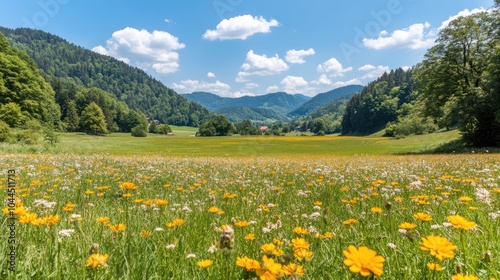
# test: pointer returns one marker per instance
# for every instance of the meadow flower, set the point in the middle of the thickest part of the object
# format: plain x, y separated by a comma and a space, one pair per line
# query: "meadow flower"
460, 222
407, 226
170, 246
66, 232
271, 249
204, 263
103, 220
376, 210
117, 227
247, 263
269, 269
97, 260
190, 256
52, 219
128, 186
250, 236
145, 233
303, 254
363, 260
391, 245
27, 218
212, 249
349, 222
434, 266
176, 222
294, 271
463, 277
439, 247
300, 243
242, 223
214, 209
422, 216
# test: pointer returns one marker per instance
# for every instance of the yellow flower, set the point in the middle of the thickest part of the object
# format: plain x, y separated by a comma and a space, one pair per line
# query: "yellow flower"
145, 233
117, 227
349, 222
176, 222
103, 220
97, 260
271, 249
463, 277
127, 195
205, 263
52, 219
406, 225
318, 203
439, 247
303, 254
39, 222
27, 218
300, 243
363, 260
89, 192
250, 236
434, 266
214, 209
461, 223
242, 223
376, 210
270, 269
423, 216
293, 270
300, 231
128, 186
161, 202
247, 263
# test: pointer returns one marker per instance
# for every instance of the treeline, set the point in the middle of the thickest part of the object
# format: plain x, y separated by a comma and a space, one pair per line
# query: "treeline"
60, 59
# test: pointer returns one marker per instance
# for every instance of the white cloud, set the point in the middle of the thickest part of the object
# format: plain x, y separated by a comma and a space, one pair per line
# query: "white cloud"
462, 13
147, 50
210, 75
251, 85
323, 80
272, 88
406, 68
294, 84
373, 72
414, 37
240, 27
346, 83
261, 65
188, 86
333, 67
297, 56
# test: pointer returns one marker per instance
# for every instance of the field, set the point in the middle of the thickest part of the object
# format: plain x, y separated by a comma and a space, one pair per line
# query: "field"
279, 207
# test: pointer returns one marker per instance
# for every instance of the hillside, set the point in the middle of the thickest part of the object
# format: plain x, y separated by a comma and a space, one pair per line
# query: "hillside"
60, 59
274, 106
323, 98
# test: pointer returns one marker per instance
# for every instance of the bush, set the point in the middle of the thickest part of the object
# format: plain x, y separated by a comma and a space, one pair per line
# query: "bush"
139, 131
163, 129
27, 137
409, 125
5, 132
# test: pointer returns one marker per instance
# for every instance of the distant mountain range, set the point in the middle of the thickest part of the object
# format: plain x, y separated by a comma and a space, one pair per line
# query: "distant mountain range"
269, 107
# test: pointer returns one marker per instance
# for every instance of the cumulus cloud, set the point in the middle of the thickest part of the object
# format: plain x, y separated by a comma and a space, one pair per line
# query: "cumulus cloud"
272, 88
188, 86
346, 83
373, 72
294, 84
462, 13
333, 68
240, 27
147, 50
251, 85
323, 80
416, 36
261, 65
210, 75
297, 56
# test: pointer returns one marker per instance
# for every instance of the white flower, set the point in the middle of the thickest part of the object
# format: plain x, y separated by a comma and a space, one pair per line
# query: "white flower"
66, 232
445, 224
314, 216
189, 256
317, 208
391, 245
402, 231
170, 246
187, 209
159, 229
435, 226
212, 249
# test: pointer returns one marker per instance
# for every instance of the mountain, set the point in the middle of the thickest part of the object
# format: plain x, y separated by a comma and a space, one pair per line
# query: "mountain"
277, 105
323, 98
59, 59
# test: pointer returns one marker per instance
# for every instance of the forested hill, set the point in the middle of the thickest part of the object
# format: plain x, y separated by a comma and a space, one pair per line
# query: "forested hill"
60, 59
323, 98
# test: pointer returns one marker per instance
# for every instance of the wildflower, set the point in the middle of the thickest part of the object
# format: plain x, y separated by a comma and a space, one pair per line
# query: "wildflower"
422, 216
66, 232
407, 226
300, 243
212, 249
363, 260
205, 263
242, 223
145, 233
434, 266
247, 263
170, 246
269, 269
271, 249
376, 210
439, 247
460, 222
300, 231
97, 260
103, 220
391, 245
214, 209
128, 186
463, 277
27, 218
190, 256
126, 195
349, 222
250, 236
75, 217
161, 202
303, 254
117, 227
176, 222
293, 270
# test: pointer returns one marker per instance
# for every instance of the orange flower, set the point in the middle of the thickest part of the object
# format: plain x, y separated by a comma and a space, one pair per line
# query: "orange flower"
406, 225
128, 186
117, 227
461, 223
438, 247
205, 263
363, 260
423, 216
97, 260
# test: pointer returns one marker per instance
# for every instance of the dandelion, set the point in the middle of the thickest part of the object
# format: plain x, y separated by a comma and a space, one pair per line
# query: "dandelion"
407, 226
145, 233
349, 222
97, 260
300, 231
176, 222
376, 210
242, 223
128, 186
439, 247
434, 266
204, 263
250, 236
422, 216
363, 260
117, 227
463, 277
460, 222
103, 220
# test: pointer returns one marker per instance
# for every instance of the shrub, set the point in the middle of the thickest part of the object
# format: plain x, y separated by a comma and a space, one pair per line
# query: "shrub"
139, 131
5, 132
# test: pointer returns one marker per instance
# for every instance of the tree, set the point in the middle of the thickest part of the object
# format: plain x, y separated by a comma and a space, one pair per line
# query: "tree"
455, 73
11, 114
139, 131
72, 120
92, 120
153, 128
218, 126
318, 125
246, 128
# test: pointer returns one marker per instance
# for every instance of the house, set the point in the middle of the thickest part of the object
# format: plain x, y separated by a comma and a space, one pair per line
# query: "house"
264, 128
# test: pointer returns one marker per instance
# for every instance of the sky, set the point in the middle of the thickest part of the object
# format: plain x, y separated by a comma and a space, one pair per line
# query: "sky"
249, 47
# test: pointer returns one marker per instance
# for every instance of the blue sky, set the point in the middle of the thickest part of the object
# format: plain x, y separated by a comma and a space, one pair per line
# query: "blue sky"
248, 47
